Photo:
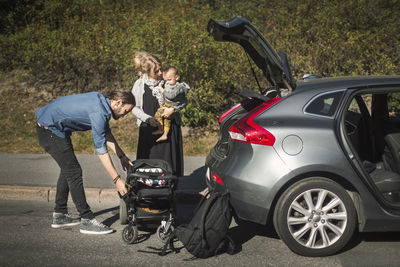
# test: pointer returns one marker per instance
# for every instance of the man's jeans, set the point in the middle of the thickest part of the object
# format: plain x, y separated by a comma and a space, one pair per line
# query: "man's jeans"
70, 179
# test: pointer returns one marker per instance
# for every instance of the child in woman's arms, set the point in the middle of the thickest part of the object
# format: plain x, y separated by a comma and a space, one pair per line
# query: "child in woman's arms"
172, 94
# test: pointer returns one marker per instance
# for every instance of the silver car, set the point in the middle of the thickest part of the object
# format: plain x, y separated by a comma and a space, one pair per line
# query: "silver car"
319, 158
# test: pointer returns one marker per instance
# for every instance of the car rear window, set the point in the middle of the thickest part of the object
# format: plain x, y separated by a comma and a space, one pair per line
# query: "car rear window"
325, 104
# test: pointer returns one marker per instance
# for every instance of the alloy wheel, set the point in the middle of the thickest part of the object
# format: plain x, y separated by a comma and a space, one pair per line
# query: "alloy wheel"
317, 218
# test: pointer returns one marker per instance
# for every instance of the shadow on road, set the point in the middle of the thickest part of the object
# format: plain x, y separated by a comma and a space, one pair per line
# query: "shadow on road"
100, 212
112, 219
379, 237
358, 238
247, 230
195, 182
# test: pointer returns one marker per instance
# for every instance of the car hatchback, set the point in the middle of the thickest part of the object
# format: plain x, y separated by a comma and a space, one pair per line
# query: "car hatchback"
319, 158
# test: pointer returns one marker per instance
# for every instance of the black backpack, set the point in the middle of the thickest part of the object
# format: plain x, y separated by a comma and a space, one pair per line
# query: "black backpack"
206, 234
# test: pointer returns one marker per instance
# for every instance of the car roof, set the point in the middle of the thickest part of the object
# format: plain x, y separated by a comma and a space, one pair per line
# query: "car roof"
347, 82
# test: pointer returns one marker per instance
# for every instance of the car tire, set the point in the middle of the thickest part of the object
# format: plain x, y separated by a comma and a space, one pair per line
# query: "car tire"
123, 212
315, 217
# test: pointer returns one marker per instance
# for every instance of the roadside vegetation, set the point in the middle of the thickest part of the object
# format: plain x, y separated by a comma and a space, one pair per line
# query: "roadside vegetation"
51, 48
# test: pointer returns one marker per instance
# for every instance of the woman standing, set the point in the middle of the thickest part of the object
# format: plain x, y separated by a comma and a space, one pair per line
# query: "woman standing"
144, 91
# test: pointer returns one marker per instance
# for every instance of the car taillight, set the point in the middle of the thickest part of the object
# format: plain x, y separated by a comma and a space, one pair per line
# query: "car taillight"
216, 178
228, 112
246, 130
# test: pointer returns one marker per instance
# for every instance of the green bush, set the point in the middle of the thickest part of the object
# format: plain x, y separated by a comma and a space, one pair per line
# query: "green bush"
83, 45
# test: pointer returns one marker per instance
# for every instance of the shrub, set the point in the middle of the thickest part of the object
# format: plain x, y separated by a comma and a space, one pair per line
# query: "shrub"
79, 46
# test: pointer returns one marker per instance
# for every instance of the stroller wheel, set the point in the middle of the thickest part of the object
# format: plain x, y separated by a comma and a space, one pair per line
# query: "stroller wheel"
162, 234
130, 234
123, 212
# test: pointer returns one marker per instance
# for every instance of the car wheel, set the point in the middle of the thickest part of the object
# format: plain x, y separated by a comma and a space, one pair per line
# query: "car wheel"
315, 217
123, 212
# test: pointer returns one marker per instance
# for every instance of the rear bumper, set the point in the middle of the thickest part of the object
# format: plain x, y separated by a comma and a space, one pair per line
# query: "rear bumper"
242, 209
252, 177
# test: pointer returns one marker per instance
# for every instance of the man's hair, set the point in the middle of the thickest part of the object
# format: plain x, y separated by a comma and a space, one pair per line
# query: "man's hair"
125, 96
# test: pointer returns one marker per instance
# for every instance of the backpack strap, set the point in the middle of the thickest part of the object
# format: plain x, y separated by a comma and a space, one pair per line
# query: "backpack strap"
201, 202
212, 199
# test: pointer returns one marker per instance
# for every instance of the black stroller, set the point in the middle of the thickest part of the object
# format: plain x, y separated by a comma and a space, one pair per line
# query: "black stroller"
150, 199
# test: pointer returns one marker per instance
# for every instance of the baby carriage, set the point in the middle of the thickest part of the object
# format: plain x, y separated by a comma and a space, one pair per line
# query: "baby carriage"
150, 198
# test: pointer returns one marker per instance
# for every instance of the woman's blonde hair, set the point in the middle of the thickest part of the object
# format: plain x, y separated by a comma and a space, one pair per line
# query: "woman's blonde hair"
145, 62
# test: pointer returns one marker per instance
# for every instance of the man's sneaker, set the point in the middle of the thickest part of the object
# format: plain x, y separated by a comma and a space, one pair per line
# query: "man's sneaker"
62, 220
94, 227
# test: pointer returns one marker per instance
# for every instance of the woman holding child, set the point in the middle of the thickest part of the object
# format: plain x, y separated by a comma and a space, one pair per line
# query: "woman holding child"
145, 92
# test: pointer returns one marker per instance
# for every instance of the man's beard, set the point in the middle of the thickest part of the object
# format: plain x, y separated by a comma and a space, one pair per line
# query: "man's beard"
114, 115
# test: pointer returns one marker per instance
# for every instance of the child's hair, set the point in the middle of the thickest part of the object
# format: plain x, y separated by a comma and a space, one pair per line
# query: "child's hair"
171, 68
145, 62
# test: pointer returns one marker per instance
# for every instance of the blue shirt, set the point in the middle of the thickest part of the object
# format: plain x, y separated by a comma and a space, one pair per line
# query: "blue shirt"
81, 112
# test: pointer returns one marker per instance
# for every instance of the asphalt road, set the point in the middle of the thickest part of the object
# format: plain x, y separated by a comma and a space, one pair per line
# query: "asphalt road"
26, 239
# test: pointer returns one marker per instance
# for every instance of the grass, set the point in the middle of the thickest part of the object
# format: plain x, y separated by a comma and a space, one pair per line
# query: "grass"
19, 100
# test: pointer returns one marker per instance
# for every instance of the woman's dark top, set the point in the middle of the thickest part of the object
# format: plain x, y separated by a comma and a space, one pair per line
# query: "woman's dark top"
170, 150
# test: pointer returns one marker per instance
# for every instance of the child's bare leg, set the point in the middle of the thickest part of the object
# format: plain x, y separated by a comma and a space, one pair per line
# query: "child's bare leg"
163, 137
167, 126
